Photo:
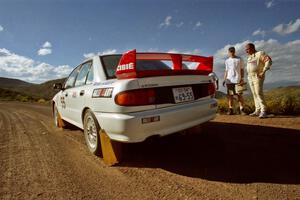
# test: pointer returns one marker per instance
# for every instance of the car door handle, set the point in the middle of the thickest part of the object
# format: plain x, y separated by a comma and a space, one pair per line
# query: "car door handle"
81, 93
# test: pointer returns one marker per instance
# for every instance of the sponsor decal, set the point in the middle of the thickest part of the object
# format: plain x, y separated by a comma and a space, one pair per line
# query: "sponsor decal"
63, 102
102, 92
129, 66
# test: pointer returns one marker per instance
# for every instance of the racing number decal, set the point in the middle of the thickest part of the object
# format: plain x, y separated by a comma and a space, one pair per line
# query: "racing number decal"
63, 102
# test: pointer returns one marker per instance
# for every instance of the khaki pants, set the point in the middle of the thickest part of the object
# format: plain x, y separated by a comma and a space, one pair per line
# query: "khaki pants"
256, 86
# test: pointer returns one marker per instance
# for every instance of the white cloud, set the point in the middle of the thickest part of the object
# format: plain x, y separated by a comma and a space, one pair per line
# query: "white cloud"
43, 52
89, 55
166, 22
1, 28
179, 24
192, 52
259, 32
286, 65
270, 4
16, 66
109, 51
172, 51
198, 25
105, 52
151, 50
284, 29
47, 45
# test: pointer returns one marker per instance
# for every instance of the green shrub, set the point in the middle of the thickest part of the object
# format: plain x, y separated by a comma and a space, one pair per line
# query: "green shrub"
24, 99
222, 105
41, 101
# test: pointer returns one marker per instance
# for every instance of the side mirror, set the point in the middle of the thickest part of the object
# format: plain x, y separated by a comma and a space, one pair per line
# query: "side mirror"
215, 79
57, 86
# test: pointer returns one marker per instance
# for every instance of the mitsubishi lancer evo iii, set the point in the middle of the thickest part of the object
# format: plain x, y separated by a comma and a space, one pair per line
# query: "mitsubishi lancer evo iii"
137, 95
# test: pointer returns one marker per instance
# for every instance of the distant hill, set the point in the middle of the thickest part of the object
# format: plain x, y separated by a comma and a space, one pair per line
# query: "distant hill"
10, 83
36, 91
44, 90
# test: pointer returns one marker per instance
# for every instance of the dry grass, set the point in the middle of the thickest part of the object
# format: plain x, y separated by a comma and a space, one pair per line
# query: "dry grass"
280, 101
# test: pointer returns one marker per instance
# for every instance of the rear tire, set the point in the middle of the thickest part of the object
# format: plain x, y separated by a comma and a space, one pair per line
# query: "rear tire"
91, 133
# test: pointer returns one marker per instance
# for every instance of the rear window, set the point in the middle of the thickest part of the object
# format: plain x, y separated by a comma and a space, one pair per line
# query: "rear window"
111, 62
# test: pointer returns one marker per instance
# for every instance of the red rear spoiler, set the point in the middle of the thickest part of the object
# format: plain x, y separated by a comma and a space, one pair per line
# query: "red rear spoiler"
127, 65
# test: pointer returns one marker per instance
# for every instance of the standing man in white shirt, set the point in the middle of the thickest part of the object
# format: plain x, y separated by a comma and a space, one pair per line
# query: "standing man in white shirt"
234, 74
258, 63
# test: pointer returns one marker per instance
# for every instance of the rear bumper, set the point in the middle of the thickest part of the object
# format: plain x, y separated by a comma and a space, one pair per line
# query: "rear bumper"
129, 127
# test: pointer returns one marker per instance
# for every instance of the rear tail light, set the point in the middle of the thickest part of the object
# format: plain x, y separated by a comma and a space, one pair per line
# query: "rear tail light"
138, 97
211, 89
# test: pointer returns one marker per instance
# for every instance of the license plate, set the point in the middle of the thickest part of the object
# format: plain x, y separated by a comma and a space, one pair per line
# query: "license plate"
183, 94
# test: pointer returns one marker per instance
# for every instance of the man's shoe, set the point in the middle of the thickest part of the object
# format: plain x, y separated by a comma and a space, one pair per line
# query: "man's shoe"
263, 115
254, 114
230, 111
242, 112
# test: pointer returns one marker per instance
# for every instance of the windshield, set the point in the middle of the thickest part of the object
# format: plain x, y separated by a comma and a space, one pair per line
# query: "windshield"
111, 62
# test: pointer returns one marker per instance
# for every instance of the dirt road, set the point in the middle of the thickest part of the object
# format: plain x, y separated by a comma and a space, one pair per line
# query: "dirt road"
231, 157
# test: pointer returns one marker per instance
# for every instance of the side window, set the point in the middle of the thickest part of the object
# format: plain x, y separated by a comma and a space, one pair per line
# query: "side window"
110, 64
70, 82
90, 77
81, 78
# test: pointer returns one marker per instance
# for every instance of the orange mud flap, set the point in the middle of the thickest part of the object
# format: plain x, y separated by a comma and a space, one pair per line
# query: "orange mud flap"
111, 150
60, 122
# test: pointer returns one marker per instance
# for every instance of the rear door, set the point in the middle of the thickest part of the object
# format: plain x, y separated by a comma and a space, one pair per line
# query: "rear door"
78, 93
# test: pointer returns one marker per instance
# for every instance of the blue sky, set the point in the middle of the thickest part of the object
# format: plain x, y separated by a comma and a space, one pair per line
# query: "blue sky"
55, 35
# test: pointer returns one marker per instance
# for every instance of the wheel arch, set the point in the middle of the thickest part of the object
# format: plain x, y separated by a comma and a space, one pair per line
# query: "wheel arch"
84, 110
83, 113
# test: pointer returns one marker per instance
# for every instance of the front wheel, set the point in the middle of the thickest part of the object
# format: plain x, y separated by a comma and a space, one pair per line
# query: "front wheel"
91, 133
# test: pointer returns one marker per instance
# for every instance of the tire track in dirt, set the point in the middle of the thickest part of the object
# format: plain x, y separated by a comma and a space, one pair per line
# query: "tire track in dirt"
27, 166
45, 162
39, 161
4, 156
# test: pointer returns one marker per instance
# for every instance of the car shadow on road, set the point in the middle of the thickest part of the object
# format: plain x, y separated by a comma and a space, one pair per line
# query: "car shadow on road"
225, 152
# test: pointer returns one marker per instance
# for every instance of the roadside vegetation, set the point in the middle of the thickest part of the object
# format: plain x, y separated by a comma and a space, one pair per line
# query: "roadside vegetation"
9, 95
280, 101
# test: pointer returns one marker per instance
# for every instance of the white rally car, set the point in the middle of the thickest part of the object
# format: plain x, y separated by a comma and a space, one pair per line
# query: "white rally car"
137, 95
